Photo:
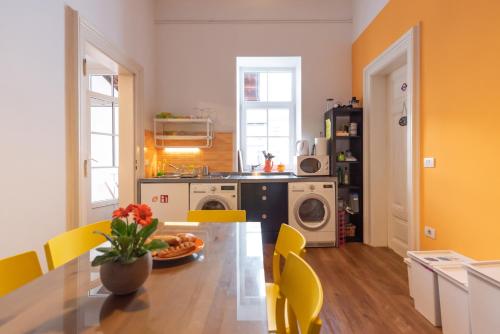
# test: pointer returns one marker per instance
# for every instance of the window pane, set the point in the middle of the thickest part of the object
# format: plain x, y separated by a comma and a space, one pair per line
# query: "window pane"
117, 150
104, 184
101, 119
117, 120
263, 87
101, 150
255, 146
256, 122
279, 147
256, 116
101, 84
280, 87
115, 86
279, 124
251, 86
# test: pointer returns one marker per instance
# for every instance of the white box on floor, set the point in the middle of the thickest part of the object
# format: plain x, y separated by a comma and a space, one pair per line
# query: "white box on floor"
484, 296
454, 298
408, 267
424, 280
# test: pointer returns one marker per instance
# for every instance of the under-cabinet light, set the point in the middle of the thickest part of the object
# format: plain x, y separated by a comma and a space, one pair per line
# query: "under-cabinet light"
184, 150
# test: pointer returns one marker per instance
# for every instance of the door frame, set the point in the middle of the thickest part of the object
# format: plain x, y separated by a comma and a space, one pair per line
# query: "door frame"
78, 34
406, 50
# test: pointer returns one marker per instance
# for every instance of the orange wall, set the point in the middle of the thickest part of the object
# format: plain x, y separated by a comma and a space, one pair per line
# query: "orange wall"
460, 122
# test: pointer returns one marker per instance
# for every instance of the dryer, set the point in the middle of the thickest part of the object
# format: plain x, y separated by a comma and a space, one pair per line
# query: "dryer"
312, 210
213, 196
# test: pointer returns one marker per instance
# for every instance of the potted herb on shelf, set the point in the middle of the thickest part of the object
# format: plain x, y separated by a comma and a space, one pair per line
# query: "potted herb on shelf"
127, 263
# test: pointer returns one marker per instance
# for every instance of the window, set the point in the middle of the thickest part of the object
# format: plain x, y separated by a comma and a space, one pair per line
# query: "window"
267, 114
104, 130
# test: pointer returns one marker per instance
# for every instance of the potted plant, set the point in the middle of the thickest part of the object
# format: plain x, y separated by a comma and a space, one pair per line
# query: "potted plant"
127, 263
268, 166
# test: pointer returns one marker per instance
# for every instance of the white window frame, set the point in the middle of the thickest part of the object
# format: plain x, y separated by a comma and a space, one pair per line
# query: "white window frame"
114, 101
244, 105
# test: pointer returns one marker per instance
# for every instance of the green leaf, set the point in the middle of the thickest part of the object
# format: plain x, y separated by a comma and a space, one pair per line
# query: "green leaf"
146, 231
110, 239
156, 244
132, 229
105, 249
128, 260
101, 259
118, 227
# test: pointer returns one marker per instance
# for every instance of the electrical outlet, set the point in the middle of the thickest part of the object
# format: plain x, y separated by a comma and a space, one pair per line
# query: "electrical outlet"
430, 232
429, 162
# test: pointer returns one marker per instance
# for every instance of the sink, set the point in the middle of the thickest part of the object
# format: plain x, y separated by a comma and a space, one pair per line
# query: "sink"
169, 176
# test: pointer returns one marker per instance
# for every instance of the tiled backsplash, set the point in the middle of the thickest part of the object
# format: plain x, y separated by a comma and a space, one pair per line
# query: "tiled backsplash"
219, 158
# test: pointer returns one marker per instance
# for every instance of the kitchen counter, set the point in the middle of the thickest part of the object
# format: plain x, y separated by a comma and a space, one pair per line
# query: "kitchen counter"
238, 178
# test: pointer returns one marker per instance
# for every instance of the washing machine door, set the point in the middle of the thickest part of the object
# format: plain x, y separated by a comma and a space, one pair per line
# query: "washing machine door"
213, 203
312, 212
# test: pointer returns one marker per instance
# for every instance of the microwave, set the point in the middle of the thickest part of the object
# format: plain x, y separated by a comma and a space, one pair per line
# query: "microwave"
312, 165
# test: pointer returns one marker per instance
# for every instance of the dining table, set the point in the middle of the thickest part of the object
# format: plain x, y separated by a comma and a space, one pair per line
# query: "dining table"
221, 289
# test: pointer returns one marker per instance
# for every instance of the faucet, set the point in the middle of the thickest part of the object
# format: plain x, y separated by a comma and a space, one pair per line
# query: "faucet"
175, 167
253, 167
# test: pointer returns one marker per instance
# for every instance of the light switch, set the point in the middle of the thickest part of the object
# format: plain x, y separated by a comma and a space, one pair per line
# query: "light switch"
429, 162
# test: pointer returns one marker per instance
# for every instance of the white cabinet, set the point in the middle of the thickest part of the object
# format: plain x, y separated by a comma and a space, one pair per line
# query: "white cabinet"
168, 201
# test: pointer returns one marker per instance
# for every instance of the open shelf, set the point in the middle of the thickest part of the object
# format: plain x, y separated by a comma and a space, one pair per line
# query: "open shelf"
339, 119
195, 132
183, 120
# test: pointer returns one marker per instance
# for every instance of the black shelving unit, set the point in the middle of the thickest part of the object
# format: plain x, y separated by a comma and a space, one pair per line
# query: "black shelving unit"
338, 118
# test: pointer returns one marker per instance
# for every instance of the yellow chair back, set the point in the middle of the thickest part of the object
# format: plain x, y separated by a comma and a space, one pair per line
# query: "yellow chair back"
300, 289
69, 245
289, 240
18, 270
217, 216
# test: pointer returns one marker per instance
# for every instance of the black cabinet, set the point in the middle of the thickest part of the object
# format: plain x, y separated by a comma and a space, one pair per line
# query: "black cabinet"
267, 203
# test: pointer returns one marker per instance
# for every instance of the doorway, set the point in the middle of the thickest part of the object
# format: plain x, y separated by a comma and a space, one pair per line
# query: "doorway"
104, 122
391, 125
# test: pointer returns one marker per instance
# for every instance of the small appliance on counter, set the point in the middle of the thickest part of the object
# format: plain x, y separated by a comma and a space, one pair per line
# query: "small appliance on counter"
320, 146
312, 165
302, 147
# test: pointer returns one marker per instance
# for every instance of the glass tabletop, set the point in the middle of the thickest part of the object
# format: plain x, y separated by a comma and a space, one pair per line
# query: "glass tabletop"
219, 290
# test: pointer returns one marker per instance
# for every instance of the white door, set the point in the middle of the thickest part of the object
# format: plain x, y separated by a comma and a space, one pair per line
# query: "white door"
103, 137
398, 185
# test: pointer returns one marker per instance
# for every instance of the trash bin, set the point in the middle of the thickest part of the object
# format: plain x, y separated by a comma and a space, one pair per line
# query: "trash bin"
484, 296
424, 280
454, 298
408, 266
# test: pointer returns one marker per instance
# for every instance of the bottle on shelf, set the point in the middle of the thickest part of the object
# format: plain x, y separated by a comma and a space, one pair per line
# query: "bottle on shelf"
340, 175
346, 176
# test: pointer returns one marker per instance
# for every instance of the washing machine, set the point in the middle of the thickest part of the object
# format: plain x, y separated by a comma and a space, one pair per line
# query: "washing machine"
312, 210
213, 196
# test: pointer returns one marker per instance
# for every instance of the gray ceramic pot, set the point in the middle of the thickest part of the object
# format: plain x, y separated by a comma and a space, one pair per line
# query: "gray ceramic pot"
122, 279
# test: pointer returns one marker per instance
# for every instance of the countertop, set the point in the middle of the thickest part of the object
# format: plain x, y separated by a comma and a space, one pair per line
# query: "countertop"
238, 178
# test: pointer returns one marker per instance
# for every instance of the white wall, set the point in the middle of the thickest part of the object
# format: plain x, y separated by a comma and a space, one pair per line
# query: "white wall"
196, 60
364, 11
32, 122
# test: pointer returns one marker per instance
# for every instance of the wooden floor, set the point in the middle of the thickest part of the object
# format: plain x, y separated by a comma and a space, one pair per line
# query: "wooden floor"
365, 290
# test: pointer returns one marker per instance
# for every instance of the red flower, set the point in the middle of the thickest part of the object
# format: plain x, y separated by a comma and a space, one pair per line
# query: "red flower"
121, 213
142, 214
131, 207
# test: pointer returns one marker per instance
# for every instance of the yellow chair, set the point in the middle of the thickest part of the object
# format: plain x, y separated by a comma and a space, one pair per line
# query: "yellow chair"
69, 245
300, 296
289, 240
217, 216
18, 270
